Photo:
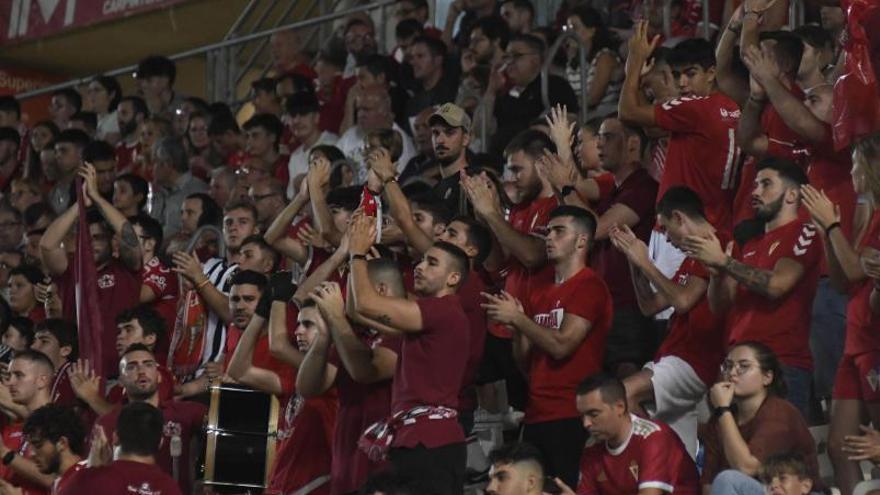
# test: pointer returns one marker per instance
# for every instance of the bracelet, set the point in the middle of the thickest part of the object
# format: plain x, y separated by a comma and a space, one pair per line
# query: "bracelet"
390, 179
720, 410
751, 12
202, 284
358, 257
831, 227
9, 457
565, 191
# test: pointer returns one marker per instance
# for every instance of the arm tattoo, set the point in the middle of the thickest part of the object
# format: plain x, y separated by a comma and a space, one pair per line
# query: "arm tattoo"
130, 247
384, 319
755, 279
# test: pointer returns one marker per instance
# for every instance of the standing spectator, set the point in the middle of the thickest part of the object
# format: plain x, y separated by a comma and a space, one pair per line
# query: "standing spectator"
39, 144
222, 187
11, 228
489, 38
104, 94
120, 284
64, 103
333, 88
267, 195
360, 41
22, 298
69, 148
519, 15
176, 182
263, 133
160, 288
264, 98
372, 70
751, 422
605, 70
419, 11
226, 139
24, 192
559, 336
515, 110
450, 130
58, 440
130, 194
303, 110
671, 387
139, 433
155, 78
286, 49
769, 283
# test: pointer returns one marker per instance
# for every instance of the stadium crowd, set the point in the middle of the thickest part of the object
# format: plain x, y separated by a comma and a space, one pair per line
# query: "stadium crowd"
658, 293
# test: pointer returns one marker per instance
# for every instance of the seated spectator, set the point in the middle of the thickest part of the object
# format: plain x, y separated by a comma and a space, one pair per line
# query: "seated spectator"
286, 49
818, 57
63, 104
153, 129
630, 454
155, 78
359, 35
377, 70
19, 335
405, 32
23, 301
516, 469
489, 38
184, 110
303, 112
12, 231
69, 148
175, 183
104, 94
751, 422
605, 69
786, 474
24, 192
469, 13
137, 434
419, 11
130, 193
223, 184
267, 196
519, 15
515, 109
159, 284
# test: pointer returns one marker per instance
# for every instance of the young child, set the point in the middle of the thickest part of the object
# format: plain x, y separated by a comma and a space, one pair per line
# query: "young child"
786, 474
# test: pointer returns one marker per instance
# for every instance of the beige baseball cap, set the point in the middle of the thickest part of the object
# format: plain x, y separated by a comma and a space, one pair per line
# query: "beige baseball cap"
452, 115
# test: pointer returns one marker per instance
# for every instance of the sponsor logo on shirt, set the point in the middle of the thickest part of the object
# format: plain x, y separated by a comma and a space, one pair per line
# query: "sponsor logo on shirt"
729, 114
644, 428
159, 280
107, 281
669, 105
553, 319
143, 489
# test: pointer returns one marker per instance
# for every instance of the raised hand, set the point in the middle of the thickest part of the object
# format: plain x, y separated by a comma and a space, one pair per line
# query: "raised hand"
707, 251
821, 209
379, 160
762, 65
484, 199
187, 265
328, 298
503, 308
83, 380
623, 238
561, 131
558, 172
362, 234
640, 48
721, 394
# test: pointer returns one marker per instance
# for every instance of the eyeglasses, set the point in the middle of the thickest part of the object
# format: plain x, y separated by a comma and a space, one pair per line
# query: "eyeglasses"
512, 57
256, 198
729, 367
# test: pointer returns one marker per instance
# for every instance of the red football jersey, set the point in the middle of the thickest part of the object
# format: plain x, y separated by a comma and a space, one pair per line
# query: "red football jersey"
125, 155
123, 477
651, 457
783, 324
163, 282
697, 336
702, 152
531, 218
862, 325
471, 300
552, 382
62, 481
14, 439
830, 171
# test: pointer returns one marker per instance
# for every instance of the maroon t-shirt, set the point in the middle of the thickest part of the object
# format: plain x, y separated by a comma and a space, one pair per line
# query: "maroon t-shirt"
476, 315
360, 405
430, 369
637, 192
181, 418
118, 289
122, 477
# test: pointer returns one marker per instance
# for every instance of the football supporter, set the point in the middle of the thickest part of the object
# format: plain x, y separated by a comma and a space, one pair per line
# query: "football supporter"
450, 135
69, 146
120, 277
423, 436
64, 104
57, 443
702, 152
263, 133
140, 431
360, 364
29, 386
630, 454
854, 396
559, 334
306, 431
768, 284
181, 420
686, 365
160, 287
22, 295
516, 470
751, 421
130, 194
155, 79
786, 474
174, 181
131, 113
56, 339
434, 84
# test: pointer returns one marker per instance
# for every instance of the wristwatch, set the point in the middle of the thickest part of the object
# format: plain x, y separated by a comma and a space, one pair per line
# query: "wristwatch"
720, 410
9, 457
566, 190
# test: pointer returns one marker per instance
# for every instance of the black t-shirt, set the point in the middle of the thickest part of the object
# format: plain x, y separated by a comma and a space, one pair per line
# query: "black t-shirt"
514, 114
444, 92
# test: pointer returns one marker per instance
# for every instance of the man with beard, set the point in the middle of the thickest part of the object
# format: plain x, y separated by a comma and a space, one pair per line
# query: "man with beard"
769, 284
29, 383
559, 333
360, 42
488, 41
450, 135
131, 112
57, 440
120, 282
182, 420
434, 83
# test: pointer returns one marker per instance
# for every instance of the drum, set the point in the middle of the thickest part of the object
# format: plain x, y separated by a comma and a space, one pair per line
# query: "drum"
242, 428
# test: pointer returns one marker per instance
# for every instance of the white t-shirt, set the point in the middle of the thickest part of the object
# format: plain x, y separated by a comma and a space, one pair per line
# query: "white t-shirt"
352, 146
299, 159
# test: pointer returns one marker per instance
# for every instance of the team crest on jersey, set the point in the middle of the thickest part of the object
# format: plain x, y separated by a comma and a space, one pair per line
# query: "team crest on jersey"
172, 429
682, 279
634, 470
773, 247
143, 489
553, 319
602, 477
106, 281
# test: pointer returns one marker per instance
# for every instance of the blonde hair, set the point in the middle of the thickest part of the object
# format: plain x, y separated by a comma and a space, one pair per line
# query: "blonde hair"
868, 149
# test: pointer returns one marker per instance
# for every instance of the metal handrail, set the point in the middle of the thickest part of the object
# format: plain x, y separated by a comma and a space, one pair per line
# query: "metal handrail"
582, 60
795, 14
245, 13
200, 232
215, 46
262, 46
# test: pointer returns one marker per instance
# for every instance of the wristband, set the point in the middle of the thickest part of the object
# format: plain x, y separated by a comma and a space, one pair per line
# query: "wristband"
565, 191
202, 284
358, 257
9, 457
831, 227
390, 179
720, 410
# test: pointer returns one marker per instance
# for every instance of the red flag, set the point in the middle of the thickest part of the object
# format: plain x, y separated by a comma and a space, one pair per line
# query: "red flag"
85, 276
856, 103
372, 207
